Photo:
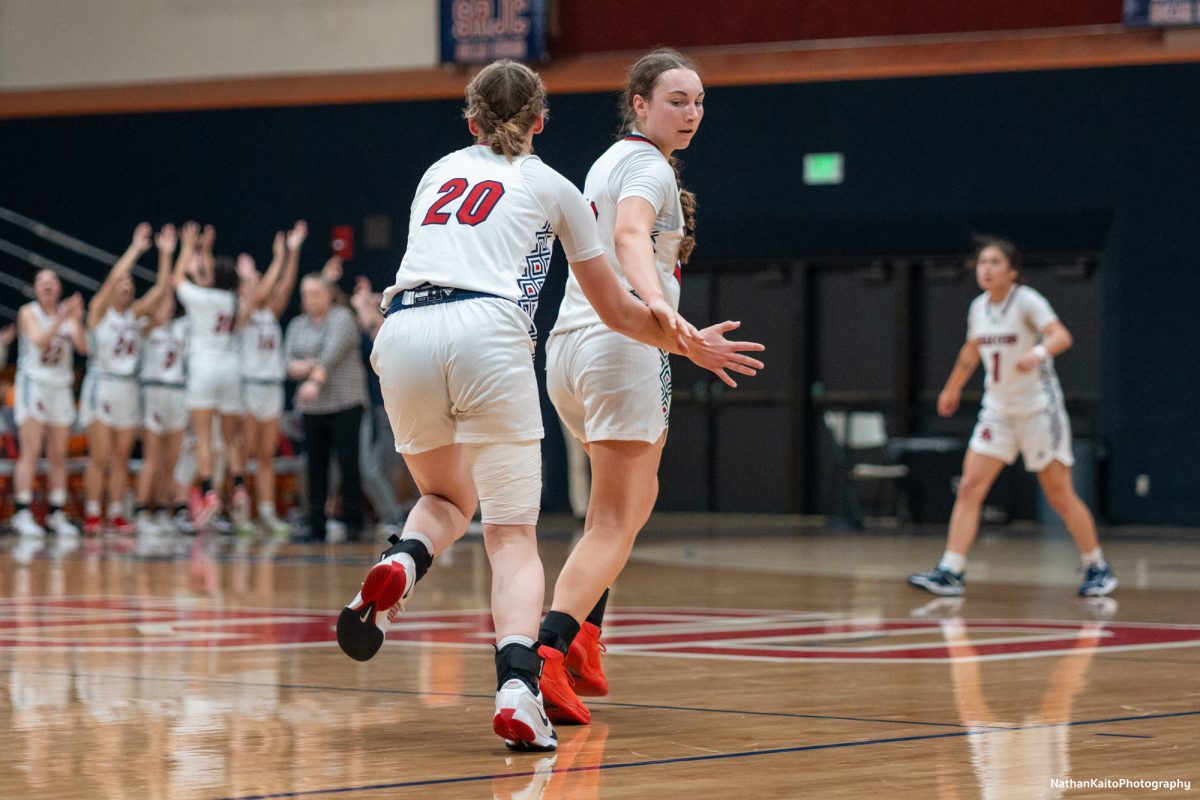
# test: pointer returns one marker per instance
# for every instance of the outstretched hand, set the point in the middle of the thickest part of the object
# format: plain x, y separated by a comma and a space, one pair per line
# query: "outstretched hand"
332, 271
189, 234
166, 238
247, 270
297, 234
73, 307
720, 356
142, 235
277, 246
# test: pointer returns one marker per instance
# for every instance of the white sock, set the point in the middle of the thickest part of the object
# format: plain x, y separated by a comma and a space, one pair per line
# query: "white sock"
952, 562
92, 508
266, 510
24, 498
57, 498
115, 509
1093, 559
507, 640
420, 537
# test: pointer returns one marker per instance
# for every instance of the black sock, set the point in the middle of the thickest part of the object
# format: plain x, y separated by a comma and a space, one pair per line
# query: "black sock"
558, 631
518, 661
139, 509
238, 480
179, 508
596, 615
415, 548
205, 485
22, 507
55, 510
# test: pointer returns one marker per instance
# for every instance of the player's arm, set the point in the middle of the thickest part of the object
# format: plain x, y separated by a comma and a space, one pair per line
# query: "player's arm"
74, 309
266, 284
282, 293
103, 297
28, 326
1056, 339
621, 311
189, 234
964, 367
635, 247
148, 304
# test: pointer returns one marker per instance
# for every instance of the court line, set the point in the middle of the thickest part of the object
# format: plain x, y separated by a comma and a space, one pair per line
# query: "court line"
1124, 736
695, 759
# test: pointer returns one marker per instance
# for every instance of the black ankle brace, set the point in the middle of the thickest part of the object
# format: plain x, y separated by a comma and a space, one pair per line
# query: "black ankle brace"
596, 615
558, 631
419, 552
518, 661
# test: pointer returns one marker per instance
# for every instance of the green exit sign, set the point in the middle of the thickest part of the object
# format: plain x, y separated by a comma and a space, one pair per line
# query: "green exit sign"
823, 169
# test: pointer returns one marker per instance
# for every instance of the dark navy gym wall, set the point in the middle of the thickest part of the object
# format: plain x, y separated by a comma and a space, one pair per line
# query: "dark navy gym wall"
1101, 160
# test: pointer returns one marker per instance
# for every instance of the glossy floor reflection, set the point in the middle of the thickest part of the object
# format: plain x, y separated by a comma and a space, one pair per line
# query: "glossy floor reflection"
754, 657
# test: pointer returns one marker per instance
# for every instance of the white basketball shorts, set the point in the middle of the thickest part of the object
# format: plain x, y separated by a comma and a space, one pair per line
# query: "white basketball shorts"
458, 373
1040, 438
606, 386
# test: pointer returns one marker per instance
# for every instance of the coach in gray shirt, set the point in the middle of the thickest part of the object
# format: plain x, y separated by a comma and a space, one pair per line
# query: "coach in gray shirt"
321, 348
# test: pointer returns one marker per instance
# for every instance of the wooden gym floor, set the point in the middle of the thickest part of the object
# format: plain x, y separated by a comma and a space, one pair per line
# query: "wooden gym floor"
752, 657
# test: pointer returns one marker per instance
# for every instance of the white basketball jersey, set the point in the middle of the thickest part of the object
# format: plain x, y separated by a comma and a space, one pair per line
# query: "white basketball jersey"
262, 347
483, 223
54, 363
163, 352
212, 319
632, 167
1004, 333
114, 344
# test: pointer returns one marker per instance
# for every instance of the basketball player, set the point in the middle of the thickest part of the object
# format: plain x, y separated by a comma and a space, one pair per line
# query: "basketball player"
213, 383
1015, 332
613, 393
109, 401
164, 409
454, 362
263, 300
50, 333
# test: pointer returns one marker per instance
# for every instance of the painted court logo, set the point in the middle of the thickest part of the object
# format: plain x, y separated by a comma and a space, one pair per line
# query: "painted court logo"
131, 624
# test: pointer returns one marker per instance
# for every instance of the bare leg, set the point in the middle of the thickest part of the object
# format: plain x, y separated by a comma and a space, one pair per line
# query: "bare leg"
33, 437
167, 492
264, 447
118, 473
979, 473
57, 440
518, 582
448, 497
100, 452
624, 488
202, 425
1060, 493
152, 468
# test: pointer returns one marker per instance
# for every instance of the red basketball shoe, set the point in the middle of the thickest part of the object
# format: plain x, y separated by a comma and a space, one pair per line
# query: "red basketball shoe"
583, 662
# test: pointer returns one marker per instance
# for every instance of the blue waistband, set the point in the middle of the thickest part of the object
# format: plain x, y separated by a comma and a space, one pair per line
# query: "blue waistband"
431, 295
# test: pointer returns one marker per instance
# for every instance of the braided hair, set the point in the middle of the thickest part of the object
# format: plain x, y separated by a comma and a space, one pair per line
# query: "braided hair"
505, 99
643, 77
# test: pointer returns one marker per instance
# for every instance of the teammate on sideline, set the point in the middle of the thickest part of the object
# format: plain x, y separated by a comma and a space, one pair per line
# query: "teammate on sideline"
213, 384
1015, 332
453, 357
109, 400
264, 299
612, 393
164, 409
51, 332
